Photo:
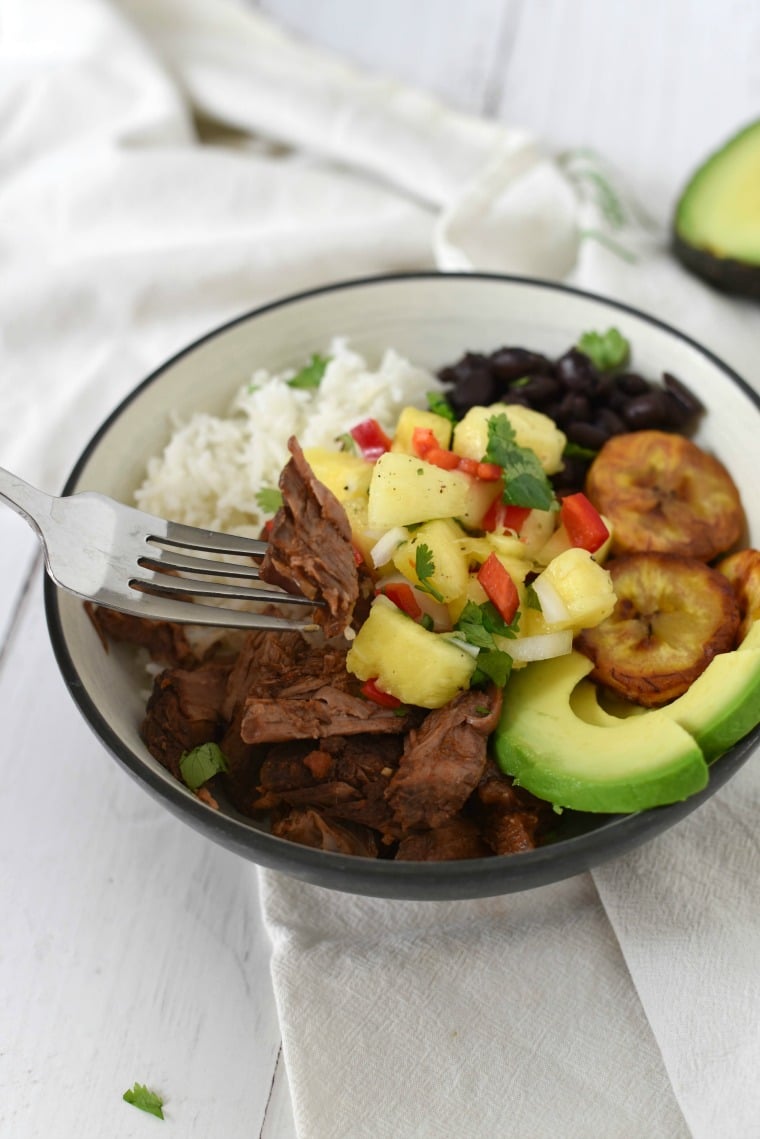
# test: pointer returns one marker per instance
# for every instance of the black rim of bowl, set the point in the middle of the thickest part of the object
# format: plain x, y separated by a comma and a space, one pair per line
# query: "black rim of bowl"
478, 877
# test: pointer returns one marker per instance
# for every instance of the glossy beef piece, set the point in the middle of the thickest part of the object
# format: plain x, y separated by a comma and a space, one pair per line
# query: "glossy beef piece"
184, 710
345, 778
510, 818
459, 838
167, 643
443, 761
310, 828
310, 548
329, 711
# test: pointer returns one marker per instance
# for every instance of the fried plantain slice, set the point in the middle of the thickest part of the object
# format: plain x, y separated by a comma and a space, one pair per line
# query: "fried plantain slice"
661, 492
743, 573
672, 616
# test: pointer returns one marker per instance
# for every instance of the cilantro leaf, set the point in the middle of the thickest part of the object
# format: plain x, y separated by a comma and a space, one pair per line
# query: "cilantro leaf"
575, 451
424, 567
605, 350
438, 404
525, 483
347, 443
310, 376
479, 624
269, 498
492, 665
199, 765
146, 1100
531, 599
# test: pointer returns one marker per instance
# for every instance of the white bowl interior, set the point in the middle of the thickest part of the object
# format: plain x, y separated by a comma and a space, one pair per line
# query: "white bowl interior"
432, 320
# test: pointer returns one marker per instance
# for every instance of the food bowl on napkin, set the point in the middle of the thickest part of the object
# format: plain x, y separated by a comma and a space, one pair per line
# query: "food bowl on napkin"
431, 320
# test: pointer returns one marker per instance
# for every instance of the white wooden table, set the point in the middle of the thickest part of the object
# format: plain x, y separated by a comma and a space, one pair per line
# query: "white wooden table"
102, 892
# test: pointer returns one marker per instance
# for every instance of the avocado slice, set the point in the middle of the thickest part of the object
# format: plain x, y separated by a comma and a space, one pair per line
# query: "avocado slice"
558, 742
716, 228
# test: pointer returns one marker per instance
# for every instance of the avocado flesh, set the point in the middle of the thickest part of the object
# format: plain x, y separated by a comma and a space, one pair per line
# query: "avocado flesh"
716, 231
636, 763
561, 744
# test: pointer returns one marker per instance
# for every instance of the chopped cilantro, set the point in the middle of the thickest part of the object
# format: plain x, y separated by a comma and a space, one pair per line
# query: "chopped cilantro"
438, 404
310, 376
424, 567
269, 498
197, 766
347, 443
531, 599
605, 350
575, 451
492, 665
525, 483
521, 383
146, 1100
427, 622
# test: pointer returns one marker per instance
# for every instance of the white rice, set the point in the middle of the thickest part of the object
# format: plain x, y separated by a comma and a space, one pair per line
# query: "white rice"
213, 467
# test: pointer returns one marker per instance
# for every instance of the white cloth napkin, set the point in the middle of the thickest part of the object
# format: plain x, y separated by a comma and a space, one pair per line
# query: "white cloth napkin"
168, 164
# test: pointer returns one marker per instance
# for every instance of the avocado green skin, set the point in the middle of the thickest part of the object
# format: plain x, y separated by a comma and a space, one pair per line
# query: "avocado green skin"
730, 274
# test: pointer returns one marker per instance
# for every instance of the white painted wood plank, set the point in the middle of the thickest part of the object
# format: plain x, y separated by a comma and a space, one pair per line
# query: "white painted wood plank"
19, 549
279, 1122
132, 948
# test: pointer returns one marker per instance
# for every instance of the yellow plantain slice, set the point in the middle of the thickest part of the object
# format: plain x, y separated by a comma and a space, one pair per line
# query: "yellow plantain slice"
663, 493
672, 616
743, 573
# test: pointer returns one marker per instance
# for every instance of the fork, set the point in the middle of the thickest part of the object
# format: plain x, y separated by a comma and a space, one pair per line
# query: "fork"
122, 558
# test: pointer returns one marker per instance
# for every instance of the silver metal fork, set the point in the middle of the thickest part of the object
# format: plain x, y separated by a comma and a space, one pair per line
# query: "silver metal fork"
122, 558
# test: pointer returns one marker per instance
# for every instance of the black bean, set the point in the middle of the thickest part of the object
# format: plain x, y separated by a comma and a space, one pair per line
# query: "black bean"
572, 475
473, 387
633, 384
576, 371
574, 407
513, 363
610, 421
648, 411
681, 394
587, 435
540, 389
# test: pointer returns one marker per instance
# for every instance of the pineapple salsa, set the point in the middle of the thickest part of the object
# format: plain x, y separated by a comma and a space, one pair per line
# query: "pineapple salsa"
478, 568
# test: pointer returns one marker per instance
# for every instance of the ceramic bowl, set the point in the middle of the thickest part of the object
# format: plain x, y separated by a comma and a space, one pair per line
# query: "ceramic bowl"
432, 319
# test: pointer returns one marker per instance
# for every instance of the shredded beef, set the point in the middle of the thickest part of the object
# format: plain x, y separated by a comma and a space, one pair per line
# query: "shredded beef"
459, 838
509, 817
443, 761
166, 642
184, 710
310, 548
310, 828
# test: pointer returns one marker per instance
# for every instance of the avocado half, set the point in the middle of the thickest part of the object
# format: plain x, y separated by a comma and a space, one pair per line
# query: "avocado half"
716, 228
557, 742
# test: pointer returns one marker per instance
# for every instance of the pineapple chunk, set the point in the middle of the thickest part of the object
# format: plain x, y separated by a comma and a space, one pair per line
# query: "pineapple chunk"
404, 490
442, 538
362, 537
413, 417
532, 429
346, 475
585, 587
414, 665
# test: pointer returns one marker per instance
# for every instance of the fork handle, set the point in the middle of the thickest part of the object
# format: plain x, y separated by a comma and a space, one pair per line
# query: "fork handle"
33, 505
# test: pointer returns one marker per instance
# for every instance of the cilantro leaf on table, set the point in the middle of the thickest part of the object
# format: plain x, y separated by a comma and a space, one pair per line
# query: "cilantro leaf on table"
199, 765
439, 405
269, 498
525, 483
146, 1100
424, 567
605, 350
310, 376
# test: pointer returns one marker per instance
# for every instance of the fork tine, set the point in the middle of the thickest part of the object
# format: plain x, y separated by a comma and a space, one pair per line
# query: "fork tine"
174, 560
191, 538
162, 607
178, 587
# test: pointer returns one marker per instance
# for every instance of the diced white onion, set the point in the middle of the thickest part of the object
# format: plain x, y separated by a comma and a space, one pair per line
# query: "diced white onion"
553, 607
473, 650
383, 550
541, 647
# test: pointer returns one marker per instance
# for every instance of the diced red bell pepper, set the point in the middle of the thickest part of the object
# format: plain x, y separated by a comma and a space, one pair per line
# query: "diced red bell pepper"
439, 457
585, 526
358, 556
423, 440
402, 595
501, 516
489, 472
499, 587
469, 466
371, 691
370, 439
